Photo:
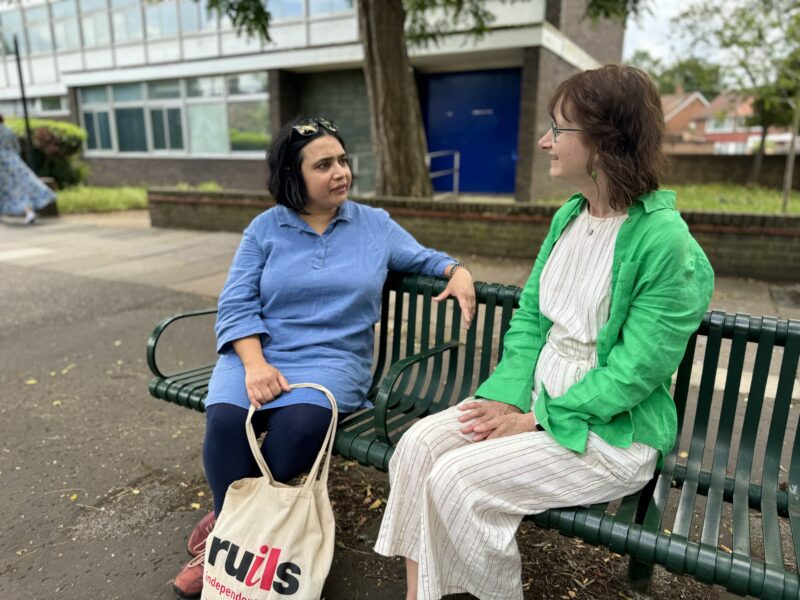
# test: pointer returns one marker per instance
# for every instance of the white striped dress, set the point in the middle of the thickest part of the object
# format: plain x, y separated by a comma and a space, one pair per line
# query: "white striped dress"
455, 505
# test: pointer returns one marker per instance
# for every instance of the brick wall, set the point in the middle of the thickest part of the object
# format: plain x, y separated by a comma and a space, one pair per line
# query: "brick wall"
542, 71
716, 168
602, 39
765, 247
229, 173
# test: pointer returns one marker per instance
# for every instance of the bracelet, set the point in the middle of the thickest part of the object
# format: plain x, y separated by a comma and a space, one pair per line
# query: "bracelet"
458, 265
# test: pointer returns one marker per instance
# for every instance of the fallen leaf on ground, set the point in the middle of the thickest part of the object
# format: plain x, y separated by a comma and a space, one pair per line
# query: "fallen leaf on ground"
31, 381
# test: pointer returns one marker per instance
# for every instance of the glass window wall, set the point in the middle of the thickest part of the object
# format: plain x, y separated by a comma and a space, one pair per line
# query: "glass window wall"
207, 129
159, 90
10, 26
247, 83
204, 87
96, 31
162, 20
127, 25
131, 132
248, 126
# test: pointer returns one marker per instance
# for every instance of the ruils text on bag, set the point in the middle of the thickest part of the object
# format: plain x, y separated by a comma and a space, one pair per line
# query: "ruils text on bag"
261, 569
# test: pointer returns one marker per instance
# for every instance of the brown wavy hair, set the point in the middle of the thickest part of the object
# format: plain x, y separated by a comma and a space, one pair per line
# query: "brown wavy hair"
619, 110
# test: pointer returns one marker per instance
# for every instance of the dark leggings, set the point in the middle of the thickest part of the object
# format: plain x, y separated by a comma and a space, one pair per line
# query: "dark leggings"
294, 437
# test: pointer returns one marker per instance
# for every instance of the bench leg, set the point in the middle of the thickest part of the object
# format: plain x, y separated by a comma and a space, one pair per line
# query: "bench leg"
640, 573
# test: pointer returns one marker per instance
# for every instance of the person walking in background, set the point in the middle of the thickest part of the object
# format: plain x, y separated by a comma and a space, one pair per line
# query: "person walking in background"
21, 191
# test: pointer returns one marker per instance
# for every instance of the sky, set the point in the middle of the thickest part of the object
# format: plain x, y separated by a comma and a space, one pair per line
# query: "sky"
651, 31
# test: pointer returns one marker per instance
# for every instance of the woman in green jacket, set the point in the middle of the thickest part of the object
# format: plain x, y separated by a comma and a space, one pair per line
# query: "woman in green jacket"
578, 410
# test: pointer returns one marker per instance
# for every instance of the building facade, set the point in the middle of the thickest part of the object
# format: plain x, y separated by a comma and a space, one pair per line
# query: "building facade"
169, 93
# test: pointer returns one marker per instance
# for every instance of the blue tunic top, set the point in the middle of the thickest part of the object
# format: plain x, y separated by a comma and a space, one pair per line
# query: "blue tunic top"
313, 299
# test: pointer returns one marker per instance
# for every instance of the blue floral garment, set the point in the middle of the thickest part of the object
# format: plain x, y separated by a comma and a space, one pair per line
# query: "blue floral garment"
19, 186
313, 299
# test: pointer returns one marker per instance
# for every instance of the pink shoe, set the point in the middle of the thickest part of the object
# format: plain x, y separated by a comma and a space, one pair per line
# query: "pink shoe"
189, 582
197, 541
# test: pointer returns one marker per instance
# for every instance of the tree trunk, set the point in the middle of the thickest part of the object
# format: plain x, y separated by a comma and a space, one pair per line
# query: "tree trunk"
759, 157
398, 139
788, 174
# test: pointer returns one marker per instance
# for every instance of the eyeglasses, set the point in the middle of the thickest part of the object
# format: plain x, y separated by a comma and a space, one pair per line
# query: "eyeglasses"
311, 126
556, 129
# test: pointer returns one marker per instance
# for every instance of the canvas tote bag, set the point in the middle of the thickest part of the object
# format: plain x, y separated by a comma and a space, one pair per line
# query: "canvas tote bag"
272, 540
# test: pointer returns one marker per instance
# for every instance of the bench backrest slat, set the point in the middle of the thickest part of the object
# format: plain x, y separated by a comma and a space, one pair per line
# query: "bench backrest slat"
722, 446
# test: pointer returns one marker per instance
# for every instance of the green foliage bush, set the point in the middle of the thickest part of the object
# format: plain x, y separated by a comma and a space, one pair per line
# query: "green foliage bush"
56, 146
248, 140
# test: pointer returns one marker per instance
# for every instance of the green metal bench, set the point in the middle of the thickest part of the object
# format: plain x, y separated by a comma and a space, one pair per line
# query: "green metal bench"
725, 507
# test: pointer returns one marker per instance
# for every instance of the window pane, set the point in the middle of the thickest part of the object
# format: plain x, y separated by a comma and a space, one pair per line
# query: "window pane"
190, 21
51, 103
124, 2
127, 25
36, 14
162, 20
87, 5
319, 7
11, 19
157, 123
95, 30
104, 127
204, 87
248, 123
125, 92
130, 130
208, 17
66, 32
157, 90
175, 128
64, 8
341, 5
247, 83
287, 9
39, 36
94, 95
207, 128
88, 123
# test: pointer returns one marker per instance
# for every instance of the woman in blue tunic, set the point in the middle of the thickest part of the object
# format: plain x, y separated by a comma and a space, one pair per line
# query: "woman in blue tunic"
21, 191
299, 304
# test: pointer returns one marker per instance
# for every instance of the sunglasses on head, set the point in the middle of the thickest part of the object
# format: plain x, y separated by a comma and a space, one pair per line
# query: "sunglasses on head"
311, 126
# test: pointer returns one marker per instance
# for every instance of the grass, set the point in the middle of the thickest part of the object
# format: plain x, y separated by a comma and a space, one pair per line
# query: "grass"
83, 199
725, 197
716, 197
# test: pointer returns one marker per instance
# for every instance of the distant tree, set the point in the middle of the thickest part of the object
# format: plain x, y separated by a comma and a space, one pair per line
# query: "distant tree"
754, 40
398, 137
692, 74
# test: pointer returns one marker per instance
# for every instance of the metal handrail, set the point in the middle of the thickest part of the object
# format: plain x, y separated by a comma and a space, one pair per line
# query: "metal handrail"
357, 158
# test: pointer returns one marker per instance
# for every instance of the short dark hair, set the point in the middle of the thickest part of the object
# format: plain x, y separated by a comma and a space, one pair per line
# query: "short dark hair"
285, 155
619, 109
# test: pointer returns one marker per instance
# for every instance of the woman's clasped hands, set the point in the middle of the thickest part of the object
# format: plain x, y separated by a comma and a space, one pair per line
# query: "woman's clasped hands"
489, 419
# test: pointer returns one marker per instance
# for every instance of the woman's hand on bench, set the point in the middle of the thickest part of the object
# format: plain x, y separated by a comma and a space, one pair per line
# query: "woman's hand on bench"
489, 419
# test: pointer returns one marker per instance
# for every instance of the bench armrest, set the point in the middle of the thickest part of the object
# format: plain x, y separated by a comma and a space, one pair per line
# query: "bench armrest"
387, 385
154, 337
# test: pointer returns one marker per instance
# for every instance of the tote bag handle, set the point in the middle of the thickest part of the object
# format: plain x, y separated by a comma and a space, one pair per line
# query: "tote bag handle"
327, 444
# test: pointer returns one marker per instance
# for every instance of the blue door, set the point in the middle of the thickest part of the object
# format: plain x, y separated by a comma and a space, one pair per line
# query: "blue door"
476, 113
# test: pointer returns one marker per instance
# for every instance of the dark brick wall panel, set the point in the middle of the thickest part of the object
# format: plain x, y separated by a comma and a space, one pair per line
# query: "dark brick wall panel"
229, 173
765, 247
542, 71
716, 168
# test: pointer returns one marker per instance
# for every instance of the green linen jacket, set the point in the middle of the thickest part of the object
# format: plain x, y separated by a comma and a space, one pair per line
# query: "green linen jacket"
661, 286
